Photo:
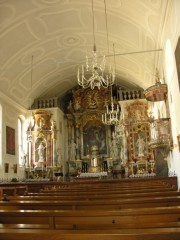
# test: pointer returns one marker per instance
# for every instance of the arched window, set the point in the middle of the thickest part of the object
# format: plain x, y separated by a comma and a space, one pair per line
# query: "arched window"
169, 61
177, 57
21, 140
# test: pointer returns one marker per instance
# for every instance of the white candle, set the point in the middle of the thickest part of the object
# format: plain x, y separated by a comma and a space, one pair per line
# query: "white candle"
95, 162
107, 108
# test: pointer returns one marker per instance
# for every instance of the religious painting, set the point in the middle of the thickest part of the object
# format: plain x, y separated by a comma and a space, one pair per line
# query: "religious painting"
10, 140
94, 135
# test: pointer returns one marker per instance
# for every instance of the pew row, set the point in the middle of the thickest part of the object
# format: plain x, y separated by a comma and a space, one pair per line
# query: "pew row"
94, 204
92, 219
103, 189
170, 182
125, 234
133, 234
91, 197
121, 210
101, 194
92, 190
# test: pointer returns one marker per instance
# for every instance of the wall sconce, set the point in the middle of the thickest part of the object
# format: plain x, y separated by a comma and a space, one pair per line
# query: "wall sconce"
178, 138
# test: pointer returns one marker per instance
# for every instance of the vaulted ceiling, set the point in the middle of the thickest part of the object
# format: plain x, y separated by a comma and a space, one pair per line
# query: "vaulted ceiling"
59, 33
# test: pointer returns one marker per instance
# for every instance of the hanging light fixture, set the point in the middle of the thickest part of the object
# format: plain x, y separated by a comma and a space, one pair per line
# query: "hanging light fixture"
94, 72
31, 120
112, 114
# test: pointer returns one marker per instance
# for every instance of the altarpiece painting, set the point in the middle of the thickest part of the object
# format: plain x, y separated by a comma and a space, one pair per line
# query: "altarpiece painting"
94, 134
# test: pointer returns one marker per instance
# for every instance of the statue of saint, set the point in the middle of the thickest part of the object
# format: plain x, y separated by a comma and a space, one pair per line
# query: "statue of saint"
70, 107
41, 152
23, 158
140, 143
114, 148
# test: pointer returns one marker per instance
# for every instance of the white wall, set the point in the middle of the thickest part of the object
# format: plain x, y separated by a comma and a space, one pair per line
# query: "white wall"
10, 113
169, 41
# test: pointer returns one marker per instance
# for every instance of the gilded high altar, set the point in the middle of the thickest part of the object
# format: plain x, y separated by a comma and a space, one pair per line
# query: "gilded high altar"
86, 130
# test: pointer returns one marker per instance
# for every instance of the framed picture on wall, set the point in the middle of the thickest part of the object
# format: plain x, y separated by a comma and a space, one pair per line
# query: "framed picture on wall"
10, 140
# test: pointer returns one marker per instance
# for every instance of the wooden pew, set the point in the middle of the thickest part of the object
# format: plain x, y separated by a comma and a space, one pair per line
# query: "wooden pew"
94, 197
92, 220
88, 211
99, 194
91, 188
13, 190
114, 185
99, 199
96, 204
108, 184
129, 234
101, 188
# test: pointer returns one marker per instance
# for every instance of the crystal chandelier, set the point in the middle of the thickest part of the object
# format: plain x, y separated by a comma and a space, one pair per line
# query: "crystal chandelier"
112, 114
95, 73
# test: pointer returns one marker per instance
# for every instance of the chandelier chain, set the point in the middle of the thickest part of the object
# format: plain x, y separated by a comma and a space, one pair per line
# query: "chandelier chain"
96, 73
94, 38
107, 34
31, 80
